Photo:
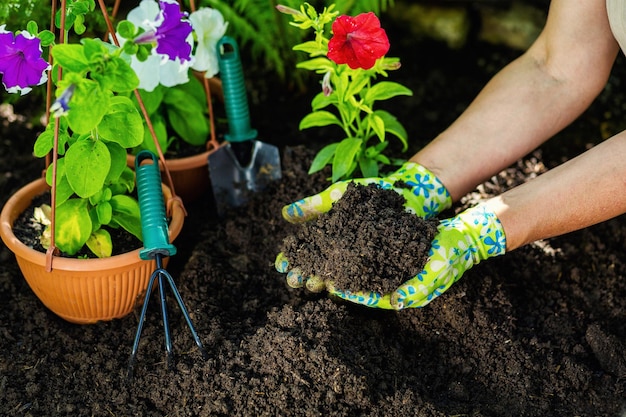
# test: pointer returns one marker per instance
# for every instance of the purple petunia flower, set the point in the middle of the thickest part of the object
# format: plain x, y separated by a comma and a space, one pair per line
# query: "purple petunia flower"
172, 32
21, 64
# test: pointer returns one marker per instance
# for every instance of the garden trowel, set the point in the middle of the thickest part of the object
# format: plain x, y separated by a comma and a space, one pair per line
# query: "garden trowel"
243, 164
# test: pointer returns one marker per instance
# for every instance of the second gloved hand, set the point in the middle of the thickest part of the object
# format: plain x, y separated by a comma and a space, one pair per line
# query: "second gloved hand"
461, 242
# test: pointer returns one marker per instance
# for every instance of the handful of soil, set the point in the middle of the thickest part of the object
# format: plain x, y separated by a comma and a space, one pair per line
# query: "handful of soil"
366, 242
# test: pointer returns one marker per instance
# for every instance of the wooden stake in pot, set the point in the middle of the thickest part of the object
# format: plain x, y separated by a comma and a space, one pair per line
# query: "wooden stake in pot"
156, 246
243, 164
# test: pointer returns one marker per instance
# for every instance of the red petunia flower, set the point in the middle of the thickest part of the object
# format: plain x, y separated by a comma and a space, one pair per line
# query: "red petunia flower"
358, 41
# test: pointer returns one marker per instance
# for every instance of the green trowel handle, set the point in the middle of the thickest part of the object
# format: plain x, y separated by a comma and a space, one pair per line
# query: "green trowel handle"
152, 208
234, 88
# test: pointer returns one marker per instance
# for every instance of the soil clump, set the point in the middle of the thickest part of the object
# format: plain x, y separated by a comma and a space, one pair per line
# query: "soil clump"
366, 242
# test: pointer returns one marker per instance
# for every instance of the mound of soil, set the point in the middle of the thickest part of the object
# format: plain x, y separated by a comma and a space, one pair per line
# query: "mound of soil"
366, 242
538, 332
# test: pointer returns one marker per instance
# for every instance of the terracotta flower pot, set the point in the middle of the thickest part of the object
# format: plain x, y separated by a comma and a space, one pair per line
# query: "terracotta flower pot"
81, 290
190, 175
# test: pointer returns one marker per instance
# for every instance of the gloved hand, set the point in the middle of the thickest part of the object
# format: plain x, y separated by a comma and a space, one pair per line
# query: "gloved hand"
426, 196
461, 242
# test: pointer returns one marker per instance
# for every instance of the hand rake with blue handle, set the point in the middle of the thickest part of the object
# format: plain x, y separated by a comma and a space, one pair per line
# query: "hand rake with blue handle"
156, 246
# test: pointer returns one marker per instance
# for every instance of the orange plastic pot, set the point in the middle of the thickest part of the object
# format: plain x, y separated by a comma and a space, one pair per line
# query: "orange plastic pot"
190, 175
81, 291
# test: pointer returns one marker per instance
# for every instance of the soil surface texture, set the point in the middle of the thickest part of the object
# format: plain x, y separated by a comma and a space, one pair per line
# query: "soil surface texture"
537, 332
366, 242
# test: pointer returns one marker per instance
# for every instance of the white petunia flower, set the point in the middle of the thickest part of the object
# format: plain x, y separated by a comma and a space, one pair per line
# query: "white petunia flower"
158, 68
209, 26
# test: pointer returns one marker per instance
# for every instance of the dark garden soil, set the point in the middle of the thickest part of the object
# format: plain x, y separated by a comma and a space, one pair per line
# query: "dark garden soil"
538, 332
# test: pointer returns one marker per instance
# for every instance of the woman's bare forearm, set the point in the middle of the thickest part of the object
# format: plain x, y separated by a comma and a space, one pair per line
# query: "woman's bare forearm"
517, 111
529, 101
584, 191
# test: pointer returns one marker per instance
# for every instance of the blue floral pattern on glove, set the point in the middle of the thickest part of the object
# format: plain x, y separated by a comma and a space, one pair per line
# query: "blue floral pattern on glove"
461, 242
426, 196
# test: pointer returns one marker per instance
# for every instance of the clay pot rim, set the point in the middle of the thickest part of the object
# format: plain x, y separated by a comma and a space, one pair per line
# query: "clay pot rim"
179, 164
20, 200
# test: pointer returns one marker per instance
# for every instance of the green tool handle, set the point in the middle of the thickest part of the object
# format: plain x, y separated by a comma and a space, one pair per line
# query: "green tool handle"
234, 88
152, 208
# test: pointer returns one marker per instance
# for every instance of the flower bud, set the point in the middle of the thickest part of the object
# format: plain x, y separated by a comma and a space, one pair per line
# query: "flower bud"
288, 10
327, 88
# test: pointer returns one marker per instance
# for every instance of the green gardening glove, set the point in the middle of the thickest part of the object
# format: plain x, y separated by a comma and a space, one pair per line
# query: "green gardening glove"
426, 196
461, 242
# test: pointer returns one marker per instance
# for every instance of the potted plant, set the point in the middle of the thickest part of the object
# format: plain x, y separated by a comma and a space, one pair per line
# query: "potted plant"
92, 124
177, 96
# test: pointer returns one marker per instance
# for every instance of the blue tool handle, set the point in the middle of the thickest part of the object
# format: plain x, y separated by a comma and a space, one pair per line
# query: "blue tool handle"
234, 89
152, 208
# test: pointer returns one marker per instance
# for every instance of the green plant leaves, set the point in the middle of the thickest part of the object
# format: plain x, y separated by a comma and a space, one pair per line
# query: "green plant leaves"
310, 47
352, 93
63, 189
118, 161
71, 57
319, 118
98, 123
87, 164
321, 100
88, 105
100, 243
160, 129
126, 29
377, 124
118, 75
45, 141
126, 214
182, 109
393, 126
75, 15
151, 99
385, 90
73, 214
368, 167
344, 158
323, 157
320, 65
122, 123
186, 116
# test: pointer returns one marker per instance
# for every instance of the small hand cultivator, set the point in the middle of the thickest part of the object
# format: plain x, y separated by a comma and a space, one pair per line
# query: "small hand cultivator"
156, 246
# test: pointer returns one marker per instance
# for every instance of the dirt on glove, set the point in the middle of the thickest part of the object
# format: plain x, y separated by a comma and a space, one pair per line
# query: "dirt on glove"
366, 242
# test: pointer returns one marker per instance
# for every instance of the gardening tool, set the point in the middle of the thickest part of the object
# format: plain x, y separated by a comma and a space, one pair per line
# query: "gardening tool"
156, 246
243, 164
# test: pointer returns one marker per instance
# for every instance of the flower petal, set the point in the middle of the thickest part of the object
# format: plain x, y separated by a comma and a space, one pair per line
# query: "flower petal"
21, 63
357, 41
173, 32
209, 26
